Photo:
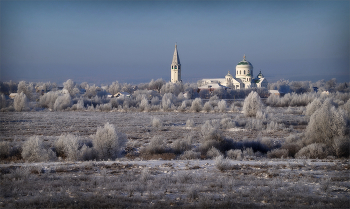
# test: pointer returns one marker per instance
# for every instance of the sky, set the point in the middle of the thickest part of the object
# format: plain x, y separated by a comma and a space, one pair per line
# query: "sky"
133, 41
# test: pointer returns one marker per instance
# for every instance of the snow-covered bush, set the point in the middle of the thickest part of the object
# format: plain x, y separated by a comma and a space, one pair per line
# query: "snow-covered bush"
190, 155
48, 100
254, 124
341, 146
197, 105
261, 115
278, 153
213, 153
222, 106
21, 102
156, 146
236, 154
190, 123
4, 149
315, 150
67, 147
210, 131
252, 104
207, 107
222, 164
157, 123
181, 145
274, 126
33, 150
108, 142
227, 123
62, 102
2, 101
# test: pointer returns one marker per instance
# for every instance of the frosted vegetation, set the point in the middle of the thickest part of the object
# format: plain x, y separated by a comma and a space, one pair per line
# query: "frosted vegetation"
84, 125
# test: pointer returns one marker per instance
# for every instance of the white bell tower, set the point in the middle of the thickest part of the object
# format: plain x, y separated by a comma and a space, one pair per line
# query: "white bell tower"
176, 67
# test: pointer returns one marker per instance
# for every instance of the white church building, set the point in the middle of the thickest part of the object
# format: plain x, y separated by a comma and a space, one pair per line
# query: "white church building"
243, 79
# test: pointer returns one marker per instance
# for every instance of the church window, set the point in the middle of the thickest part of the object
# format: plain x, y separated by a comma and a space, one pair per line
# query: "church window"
172, 67
175, 67
240, 72
244, 72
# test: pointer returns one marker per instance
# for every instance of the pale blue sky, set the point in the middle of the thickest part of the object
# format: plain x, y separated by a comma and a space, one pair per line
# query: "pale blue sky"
133, 41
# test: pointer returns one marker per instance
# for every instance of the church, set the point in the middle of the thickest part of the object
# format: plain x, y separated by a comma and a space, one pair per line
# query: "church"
244, 76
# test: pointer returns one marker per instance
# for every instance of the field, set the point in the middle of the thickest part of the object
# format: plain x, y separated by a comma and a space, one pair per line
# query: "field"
142, 177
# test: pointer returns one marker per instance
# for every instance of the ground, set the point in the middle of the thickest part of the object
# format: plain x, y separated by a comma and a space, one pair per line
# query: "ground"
157, 182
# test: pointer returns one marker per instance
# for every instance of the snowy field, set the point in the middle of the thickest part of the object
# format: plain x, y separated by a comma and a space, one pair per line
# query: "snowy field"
143, 178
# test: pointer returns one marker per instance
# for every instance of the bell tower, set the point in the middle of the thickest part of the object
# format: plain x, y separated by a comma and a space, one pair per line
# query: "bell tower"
176, 67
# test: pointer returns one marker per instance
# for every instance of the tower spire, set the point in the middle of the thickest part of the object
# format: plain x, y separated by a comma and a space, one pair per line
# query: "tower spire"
176, 58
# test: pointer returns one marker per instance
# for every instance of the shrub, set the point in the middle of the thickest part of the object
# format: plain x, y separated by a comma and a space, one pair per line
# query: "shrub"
278, 153
254, 124
190, 155
67, 147
190, 123
207, 107
156, 146
227, 123
210, 131
21, 102
33, 150
236, 154
4, 149
213, 153
315, 150
222, 164
2, 101
181, 145
341, 146
252, 104
108, 142
157, 123
197, 105
222, 106
167, 101
62, 102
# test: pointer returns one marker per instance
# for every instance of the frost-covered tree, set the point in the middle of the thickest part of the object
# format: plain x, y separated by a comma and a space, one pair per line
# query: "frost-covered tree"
108, 142
144, 105
26, 88
156, 84
326, 124
252, 104
62, 102
71, 87
33, 150
21, 102
167, 101
114, 88
313, 106
48, 99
